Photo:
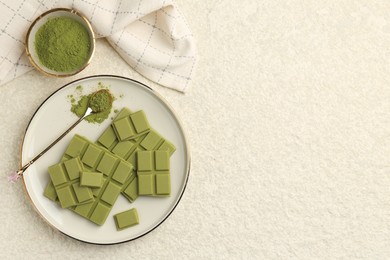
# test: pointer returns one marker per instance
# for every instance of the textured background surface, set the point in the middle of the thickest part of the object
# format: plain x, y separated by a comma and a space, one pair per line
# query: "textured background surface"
289, 124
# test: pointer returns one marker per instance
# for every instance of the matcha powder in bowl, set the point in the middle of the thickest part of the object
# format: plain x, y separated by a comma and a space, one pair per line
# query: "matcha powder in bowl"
60, 42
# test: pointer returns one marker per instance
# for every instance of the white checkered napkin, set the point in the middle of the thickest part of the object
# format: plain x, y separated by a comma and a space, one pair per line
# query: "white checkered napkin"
161, 48
15, 17
151, 35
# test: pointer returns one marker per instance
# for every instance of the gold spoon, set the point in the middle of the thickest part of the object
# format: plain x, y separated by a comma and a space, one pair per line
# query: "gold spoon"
15, 176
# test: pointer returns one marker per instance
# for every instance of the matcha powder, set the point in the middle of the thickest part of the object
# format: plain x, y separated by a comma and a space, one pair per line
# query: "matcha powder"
62, 44
100, 102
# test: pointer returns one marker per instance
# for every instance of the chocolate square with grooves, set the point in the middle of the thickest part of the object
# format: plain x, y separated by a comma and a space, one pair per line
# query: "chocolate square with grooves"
65, 178
100, 160
127, 149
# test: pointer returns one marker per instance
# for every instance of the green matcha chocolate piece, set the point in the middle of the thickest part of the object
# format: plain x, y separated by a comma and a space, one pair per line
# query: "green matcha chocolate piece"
100, 213
82, 193
50, 191
153, 173
91, 179
114, 172
65, 177
91, 156
131, 190
126, 219
96, 191
131, 126
127, 149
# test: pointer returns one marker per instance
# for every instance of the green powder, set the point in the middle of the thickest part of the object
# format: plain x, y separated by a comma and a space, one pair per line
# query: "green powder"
101, 101
62, 44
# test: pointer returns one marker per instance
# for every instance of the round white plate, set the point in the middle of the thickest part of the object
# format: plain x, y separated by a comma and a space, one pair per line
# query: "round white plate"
53, 117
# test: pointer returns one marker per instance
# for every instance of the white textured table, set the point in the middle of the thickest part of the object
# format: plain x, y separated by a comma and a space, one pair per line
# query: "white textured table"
288, 120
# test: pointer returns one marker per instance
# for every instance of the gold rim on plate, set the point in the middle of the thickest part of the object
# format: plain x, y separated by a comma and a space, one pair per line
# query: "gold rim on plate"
186, 143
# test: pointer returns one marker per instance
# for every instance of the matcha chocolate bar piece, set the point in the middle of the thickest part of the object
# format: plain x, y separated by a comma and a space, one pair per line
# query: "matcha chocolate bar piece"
91, 179
114, 169
151, 140
65, 177
50, 191
131, 126
127, 149
153, 173
126, 219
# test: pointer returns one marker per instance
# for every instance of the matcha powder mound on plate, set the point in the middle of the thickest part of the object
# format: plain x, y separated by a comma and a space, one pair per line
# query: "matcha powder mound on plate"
63, 44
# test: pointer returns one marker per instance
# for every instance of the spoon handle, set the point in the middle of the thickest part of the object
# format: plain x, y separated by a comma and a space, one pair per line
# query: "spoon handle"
14, 176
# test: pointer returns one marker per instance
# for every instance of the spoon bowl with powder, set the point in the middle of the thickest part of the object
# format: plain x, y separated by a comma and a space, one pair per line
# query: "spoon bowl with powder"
100, 102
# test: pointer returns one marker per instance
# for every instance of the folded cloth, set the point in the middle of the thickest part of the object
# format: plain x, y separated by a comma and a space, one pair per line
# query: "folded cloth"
150, 35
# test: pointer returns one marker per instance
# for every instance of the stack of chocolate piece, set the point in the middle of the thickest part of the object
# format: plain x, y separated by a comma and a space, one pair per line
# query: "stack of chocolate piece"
129, 158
